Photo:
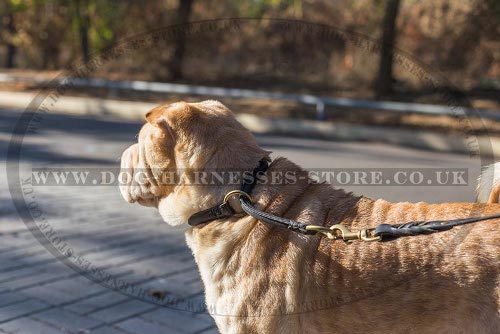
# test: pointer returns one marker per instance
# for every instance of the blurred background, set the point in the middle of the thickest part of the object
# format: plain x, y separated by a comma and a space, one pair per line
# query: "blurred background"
329, 84
458, 39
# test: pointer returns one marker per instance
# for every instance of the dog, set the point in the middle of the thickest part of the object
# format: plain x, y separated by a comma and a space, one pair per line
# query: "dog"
263, 279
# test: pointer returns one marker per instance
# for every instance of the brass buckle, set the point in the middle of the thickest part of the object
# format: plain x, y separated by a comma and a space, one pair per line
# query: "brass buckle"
234, 201
339, 231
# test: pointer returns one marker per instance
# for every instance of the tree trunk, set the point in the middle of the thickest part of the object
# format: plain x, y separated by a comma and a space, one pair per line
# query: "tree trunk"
175, 66
383, 84
11, 47
83, 28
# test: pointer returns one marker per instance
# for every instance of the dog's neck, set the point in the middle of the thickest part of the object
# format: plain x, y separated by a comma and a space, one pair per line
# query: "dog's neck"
190, 196
227, 249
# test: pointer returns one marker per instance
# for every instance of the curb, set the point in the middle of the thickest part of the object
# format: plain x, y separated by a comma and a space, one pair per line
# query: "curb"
135, 111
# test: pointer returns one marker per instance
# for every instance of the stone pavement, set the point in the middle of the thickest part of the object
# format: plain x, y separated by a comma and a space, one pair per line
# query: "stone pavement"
40, 294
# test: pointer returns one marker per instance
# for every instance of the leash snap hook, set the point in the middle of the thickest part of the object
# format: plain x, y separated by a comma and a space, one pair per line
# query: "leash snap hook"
333, 232
340, 231
345, 233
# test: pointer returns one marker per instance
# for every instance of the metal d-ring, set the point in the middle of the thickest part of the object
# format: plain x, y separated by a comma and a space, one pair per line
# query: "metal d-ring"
235, 204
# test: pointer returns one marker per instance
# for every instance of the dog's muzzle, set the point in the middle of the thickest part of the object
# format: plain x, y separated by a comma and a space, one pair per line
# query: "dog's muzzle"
134, 182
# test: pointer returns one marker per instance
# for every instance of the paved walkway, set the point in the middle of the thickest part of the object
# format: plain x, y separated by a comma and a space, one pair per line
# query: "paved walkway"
39, 294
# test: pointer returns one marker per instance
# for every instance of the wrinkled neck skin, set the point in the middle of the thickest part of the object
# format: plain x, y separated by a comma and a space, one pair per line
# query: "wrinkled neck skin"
260, 278
227, 251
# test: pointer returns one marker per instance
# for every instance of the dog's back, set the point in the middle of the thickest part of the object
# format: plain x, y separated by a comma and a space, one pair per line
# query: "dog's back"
488, 188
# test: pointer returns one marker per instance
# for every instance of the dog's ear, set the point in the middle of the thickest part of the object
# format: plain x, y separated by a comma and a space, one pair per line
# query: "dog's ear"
157, 117
161, 118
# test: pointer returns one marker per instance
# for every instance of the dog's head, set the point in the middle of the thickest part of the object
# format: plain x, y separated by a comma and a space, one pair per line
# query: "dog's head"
183, 137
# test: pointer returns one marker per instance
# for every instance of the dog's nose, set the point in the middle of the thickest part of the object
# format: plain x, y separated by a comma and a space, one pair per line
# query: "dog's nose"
127, 165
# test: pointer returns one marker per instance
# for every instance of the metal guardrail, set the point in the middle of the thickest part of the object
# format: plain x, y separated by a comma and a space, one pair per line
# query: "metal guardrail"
318, 101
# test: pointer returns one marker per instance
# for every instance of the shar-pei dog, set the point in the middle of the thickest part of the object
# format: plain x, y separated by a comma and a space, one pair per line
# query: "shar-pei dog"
260, 278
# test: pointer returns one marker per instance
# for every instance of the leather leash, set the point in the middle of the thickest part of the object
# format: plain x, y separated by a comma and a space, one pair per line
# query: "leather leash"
239, 202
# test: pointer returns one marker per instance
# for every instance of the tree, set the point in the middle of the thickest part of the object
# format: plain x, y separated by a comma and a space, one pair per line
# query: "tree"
175, 66
383, 84
83, 22
11, 47
10, 30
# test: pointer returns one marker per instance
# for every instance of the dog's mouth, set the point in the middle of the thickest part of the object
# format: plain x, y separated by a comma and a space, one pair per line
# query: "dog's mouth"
150, 202
134, 184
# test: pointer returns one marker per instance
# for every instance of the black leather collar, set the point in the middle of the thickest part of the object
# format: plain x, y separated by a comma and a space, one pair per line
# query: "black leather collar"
224, 209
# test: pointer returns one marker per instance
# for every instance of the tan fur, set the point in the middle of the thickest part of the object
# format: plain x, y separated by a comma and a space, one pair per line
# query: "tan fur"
262, 279
488, 188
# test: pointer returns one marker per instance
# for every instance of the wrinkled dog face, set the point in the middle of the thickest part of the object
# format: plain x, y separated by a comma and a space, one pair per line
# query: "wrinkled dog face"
184, 136
153, 154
